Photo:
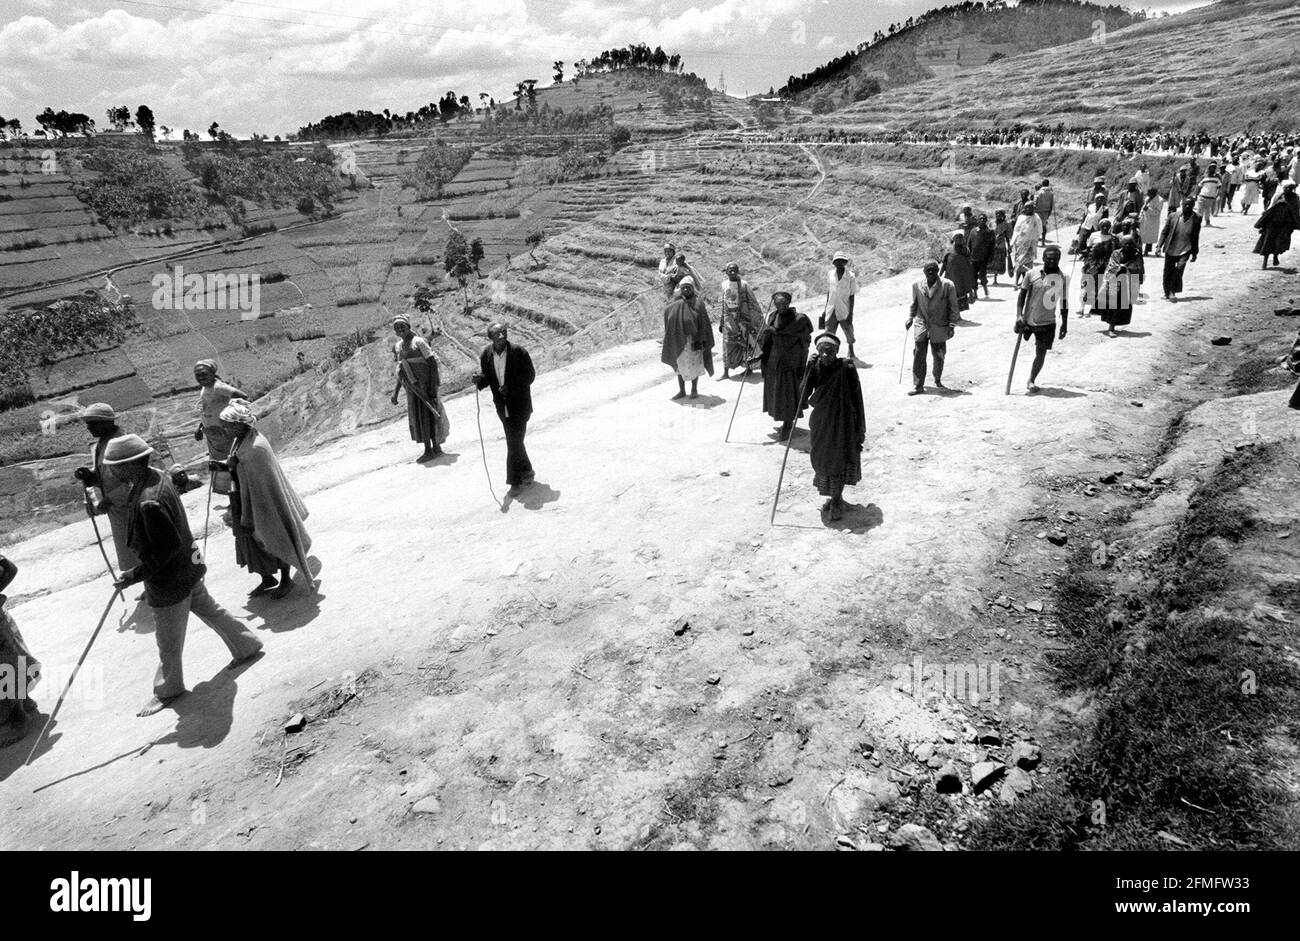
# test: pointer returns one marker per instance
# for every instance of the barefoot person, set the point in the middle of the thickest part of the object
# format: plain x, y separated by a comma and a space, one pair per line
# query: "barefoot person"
1180, 240
508, 371
214, 395
688, 339
1043, 291
740, 322
837, 426
101, 422
785, 349
171, 568
417, 373
266, 512
1276, 224
935, 305
19, 670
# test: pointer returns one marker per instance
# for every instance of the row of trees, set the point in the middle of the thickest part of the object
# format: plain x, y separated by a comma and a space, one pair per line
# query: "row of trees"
635, 56
840, 65
376, 124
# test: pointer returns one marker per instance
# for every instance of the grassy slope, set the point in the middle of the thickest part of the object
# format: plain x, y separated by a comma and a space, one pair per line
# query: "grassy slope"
1224, 67
955, 45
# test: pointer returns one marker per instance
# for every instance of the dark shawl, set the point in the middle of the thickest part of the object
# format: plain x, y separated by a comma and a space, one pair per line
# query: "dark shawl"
687, 322
838, 422
1275, 225
785, 350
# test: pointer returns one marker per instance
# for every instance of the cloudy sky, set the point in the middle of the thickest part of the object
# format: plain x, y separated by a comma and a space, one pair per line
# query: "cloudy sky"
272, 65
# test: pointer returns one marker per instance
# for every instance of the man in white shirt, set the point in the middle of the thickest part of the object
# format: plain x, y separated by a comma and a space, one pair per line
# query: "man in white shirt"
843, 286
1042, 293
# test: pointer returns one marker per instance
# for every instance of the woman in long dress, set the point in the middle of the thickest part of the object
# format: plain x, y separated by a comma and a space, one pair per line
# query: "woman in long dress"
956, 267
1150, 219
999, 263
1024, 242
1277, 222
417, 373
1101, 245
785, 350
1120, 285
1250, 187
266, 513
837, 426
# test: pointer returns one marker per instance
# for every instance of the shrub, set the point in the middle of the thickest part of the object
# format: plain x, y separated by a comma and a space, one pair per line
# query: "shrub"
349, 343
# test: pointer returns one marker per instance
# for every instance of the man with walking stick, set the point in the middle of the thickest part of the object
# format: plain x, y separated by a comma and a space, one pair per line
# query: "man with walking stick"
110, 494
19, 670
1043, 290
508, 370
935, 312
172, 569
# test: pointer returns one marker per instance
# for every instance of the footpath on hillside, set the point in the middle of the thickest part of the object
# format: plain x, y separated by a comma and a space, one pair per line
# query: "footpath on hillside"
626, 655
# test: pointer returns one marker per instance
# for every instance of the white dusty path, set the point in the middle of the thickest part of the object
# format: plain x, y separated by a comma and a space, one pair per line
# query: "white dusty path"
549, 622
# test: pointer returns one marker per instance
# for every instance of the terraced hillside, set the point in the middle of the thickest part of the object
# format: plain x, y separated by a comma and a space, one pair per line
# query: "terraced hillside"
955, 39
1229, 66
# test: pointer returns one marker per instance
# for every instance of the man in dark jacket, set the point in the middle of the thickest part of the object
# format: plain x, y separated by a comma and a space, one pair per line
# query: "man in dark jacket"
1180, 240
981, 250
508, 370
171, 567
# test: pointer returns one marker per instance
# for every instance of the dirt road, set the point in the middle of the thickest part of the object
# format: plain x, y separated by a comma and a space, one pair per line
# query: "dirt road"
511, 677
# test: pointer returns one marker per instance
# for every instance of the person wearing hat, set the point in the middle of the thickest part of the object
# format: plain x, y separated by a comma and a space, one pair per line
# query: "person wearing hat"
1024, 241
171, 568
101, 422
837, 427
417, 373
508, 370
214, 395
840, 298
739, 323
935, 306
1042, 292
1276, 223
19, 670
266, 513
688, 339
784, 350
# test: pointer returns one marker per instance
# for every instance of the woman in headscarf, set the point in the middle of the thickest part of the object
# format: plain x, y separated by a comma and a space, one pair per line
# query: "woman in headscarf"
1250, 186
785, 350
688, 339
22, 669
417, 373
266, 513
1091, 220
1276, 223
1150, 217
1120, 285
1101, 245
739, 323
1000, 263
666, 263
837, 426
1024, 242
214, 395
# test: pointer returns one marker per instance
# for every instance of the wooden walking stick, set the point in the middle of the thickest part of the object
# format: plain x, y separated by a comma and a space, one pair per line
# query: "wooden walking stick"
117, 593
483, 447
807, 371
744, 380
207, 519
907, 333
99, 541
1014, 353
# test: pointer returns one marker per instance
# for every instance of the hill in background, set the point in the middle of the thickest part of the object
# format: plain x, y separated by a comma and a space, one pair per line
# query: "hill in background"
1226, 67
948, 41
